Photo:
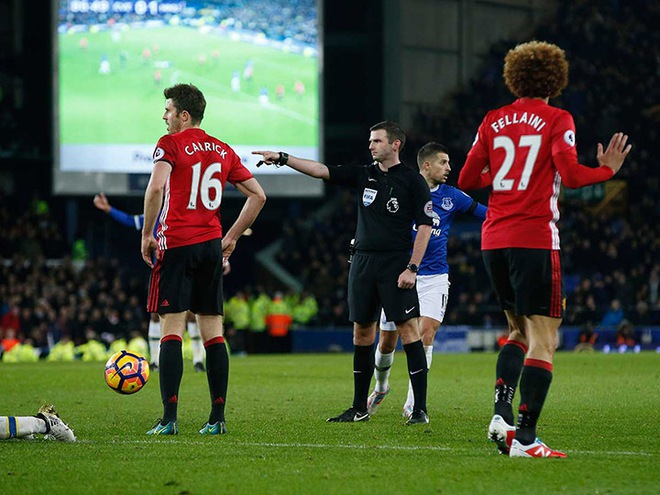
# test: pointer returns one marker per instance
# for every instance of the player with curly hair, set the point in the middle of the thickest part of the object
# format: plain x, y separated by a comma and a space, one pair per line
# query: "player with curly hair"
524, 151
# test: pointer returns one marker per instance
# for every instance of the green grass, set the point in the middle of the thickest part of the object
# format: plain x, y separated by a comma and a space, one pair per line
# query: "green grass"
603, 410
126, 105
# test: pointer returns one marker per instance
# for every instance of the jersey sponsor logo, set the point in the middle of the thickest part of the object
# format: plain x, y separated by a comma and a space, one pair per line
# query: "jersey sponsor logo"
447, 204
569, 137
428, 209
159, 153
368, 196
393, 205
436, 230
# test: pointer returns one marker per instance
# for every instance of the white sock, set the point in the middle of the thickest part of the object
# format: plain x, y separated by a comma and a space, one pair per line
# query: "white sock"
154, 341
428, 350
195, 342
20, 426
382, 370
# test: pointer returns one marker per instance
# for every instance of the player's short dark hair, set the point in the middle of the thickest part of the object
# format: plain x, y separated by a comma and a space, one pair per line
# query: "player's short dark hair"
428, 151
536, 69
392, 130
189, 98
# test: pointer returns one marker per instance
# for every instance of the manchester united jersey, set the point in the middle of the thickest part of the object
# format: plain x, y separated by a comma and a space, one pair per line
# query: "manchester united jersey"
529, 148
201, 166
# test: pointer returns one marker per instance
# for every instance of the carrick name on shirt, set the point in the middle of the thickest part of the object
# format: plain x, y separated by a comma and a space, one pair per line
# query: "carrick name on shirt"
205, 146
534, 120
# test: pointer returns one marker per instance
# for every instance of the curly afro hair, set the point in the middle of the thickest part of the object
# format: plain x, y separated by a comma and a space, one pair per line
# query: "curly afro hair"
536, 70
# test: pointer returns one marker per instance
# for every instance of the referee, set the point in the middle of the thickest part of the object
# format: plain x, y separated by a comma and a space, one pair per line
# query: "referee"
391, 196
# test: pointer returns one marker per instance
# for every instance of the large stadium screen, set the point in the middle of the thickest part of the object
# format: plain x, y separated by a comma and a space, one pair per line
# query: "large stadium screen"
257, 62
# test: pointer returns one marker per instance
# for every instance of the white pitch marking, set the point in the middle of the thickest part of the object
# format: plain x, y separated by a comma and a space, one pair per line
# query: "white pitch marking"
435, 448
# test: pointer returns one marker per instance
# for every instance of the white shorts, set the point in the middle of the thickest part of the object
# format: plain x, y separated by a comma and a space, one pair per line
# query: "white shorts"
433, 293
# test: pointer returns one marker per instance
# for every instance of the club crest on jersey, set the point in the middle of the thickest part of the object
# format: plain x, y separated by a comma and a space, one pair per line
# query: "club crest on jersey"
446, 204
368, 196
393, 205
159, 153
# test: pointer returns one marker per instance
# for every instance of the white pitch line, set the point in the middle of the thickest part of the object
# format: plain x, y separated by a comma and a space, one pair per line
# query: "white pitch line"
435, 448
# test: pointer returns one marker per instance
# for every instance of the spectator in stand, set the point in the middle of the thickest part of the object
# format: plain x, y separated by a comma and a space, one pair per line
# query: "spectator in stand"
306, 309
625, 336
278, 321
614, 315
587, 338
258, 336
9, 340
11, 320
237, 313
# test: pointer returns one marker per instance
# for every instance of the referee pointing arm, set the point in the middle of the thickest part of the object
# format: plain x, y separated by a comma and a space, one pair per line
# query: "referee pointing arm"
390, 197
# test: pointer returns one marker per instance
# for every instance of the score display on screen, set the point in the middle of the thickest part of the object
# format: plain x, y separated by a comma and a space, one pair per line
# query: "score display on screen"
257, 65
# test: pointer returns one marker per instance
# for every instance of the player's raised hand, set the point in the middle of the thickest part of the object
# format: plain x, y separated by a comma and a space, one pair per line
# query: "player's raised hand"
269, 157
616, 152
102, 203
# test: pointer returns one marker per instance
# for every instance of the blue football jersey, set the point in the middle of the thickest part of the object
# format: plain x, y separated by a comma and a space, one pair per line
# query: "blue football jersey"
447, 201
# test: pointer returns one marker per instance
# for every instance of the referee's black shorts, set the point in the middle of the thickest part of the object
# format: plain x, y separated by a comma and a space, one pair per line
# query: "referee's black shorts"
372, 283
188, 278
527, 281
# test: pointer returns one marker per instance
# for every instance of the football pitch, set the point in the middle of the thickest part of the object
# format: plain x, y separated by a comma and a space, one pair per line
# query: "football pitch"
602, 410
124, 102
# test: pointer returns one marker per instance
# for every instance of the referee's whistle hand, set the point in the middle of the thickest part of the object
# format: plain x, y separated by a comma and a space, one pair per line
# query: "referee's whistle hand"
406, 280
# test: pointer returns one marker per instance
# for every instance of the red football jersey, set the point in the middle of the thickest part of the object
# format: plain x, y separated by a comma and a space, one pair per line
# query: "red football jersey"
201, 166
529, 147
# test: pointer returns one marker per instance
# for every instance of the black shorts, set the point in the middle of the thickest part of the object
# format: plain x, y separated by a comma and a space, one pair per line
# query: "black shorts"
527, 281
188, 278
372, 283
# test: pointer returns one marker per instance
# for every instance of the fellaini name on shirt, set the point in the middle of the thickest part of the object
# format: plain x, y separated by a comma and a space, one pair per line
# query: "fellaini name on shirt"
530, 119
193, 148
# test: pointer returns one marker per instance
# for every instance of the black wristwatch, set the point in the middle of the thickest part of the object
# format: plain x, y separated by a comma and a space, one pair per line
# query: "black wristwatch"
412, 267
283, 159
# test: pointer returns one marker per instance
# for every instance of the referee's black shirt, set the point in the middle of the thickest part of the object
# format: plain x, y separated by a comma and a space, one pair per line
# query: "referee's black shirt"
388, 204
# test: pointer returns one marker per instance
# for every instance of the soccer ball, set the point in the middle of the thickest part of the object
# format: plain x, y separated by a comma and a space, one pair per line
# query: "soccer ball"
126, 372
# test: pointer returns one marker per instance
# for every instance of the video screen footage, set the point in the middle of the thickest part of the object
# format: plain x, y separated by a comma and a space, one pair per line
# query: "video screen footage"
257, 62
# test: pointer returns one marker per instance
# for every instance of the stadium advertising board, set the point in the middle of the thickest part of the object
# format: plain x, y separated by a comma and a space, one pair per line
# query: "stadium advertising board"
257, 62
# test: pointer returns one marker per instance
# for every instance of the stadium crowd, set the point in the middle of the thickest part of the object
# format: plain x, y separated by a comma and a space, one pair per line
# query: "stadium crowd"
610, 254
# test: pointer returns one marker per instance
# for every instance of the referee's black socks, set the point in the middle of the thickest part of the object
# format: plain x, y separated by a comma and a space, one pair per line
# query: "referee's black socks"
364, 361
418, 371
